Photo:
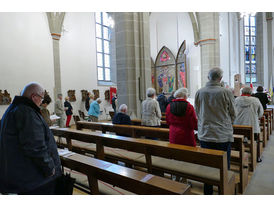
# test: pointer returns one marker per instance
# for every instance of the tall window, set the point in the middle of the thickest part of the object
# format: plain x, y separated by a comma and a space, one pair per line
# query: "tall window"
103, 30
250, 48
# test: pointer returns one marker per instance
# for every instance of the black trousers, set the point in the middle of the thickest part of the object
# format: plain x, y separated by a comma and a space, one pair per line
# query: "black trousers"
47, 189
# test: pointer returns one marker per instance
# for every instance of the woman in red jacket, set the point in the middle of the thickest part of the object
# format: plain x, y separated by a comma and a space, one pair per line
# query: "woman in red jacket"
182, 120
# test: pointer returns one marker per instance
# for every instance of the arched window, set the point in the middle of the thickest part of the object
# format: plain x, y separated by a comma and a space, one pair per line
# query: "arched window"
103, 31
165, 75
152, 73
250, 48
181, 66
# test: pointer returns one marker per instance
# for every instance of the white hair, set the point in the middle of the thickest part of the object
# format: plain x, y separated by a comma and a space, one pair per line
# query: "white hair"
98, 100
123, 107
182, 92
246, 90
32, 87
215, 74
151, 92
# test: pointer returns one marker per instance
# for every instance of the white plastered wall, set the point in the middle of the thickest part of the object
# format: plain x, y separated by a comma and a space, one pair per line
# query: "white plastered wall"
170, 30
26, 55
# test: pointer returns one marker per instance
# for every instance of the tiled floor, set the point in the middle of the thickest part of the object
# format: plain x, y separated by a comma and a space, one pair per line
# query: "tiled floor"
262, 180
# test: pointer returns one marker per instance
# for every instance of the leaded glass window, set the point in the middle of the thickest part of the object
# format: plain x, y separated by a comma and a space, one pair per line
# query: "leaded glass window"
103, 32
250, 48
181, 66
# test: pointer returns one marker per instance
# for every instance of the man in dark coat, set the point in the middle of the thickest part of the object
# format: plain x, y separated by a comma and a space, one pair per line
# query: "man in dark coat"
114, 102
162, 102
121, 117
262, 96
29, 161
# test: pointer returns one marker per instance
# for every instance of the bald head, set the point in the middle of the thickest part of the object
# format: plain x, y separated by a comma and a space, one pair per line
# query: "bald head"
32, 88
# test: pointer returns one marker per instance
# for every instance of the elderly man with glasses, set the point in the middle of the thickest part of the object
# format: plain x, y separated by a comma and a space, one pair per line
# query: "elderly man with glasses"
29, 161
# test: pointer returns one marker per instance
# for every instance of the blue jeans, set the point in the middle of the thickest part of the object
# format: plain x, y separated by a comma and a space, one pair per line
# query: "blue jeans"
226, 146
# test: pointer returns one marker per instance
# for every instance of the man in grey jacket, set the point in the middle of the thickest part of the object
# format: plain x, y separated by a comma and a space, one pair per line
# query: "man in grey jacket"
248, 111
214, 107
59, 110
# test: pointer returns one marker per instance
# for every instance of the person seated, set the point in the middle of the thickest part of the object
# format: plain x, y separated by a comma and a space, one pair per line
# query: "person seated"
45, 112
248, 111
182, 120
121, 117
262, 96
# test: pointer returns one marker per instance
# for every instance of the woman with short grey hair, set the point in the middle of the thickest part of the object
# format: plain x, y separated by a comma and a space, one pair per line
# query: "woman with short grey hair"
181, 118
151, 113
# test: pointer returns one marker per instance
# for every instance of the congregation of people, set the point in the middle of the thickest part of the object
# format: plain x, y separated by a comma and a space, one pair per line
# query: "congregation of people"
26, 137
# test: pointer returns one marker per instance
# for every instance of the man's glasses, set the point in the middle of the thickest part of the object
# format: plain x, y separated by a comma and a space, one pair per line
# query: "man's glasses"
39, 96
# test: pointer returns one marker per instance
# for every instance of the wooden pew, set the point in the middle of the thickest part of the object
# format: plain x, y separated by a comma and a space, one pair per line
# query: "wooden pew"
126, 130
131, 180
137, 122
267, 115
159, 156
272, 115
247, 131
263, 130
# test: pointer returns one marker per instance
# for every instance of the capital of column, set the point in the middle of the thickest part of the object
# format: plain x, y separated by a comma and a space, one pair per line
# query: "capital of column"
204, 41
55, 36
269, 19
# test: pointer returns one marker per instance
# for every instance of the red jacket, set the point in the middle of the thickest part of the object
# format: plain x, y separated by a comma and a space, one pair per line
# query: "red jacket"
181, 128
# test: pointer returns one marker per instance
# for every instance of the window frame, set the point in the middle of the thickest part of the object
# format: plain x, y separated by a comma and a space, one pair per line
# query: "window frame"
103, 51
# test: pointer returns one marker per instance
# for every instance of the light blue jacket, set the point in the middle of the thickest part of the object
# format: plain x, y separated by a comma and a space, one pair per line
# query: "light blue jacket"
94, 109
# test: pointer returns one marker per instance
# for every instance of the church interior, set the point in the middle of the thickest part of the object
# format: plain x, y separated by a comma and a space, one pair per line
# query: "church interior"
125, 53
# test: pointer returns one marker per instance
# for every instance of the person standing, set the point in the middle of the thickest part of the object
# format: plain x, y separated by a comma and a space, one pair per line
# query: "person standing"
114, 102
162, 102
44, 111
182, 120
68, 109
94, 110
214, 106
29, 161
262, 96
151, 112
59, 110
248, 111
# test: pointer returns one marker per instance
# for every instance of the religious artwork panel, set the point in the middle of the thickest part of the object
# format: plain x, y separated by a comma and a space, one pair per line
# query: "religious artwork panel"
5, 98
107, 95
181, 66
71, 95
152, 73
165, 79
84, 94
164, 57
96, 94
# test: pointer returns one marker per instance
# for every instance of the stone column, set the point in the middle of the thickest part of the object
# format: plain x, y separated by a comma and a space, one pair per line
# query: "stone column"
132, 59
269, 20
209, 42
55, 20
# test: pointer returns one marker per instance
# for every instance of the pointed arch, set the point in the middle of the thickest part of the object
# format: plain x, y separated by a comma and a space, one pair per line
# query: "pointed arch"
153, 82
181, 68
165, 72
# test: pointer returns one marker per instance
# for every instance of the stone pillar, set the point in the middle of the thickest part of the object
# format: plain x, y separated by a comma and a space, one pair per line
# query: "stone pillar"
132, 59
260, 48
209, 42
55, 20
269, 20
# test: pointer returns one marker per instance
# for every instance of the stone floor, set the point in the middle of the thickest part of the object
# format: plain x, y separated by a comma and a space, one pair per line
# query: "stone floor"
262, 180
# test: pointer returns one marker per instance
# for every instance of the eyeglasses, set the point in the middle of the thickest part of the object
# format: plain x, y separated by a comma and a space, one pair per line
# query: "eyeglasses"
39, 96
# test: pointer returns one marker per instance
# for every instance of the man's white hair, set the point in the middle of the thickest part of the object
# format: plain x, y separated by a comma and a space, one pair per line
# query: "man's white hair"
151, 92
215, 74
122, 108
32, 88
182, 92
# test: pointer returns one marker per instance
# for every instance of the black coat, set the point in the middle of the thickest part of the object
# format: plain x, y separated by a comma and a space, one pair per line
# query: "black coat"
121, 118
263, 98
162, 102
28, 151
87, 103
68, 105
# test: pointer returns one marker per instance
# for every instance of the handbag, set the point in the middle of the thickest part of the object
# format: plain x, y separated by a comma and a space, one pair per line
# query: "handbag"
64, 185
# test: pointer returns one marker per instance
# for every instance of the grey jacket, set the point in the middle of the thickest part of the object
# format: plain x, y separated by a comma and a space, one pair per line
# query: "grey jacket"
151, 113
248, 112
59, 107
214, 107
